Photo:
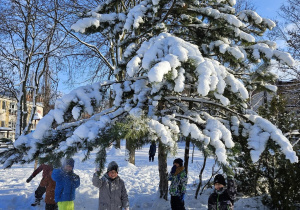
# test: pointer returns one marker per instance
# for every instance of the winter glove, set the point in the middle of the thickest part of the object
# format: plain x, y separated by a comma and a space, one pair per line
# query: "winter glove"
97, 172
75, 177
103, 179
182, 196
29, 179
173, 170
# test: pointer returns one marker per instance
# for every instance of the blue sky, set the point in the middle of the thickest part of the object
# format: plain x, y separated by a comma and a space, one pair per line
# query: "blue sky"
268, 8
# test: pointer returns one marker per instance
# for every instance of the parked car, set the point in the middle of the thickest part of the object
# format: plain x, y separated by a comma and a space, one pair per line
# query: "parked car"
6, 143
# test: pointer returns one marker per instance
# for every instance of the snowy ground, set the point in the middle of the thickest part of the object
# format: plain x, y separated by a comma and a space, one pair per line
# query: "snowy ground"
141, 181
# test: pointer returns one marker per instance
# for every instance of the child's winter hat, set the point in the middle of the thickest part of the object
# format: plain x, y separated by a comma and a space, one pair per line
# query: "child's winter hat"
69, 162
179, 161
219, 179
113, 166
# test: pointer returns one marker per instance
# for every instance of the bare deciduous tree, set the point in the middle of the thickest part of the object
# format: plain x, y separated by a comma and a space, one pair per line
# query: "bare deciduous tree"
30, 43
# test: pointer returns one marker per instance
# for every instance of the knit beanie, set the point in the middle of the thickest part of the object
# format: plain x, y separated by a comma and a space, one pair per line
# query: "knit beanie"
69, 162
179, 161
219, 179
113, 166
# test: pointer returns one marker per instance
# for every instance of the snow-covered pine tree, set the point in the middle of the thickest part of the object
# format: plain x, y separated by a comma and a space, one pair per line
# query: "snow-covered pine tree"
280, 176
166, 54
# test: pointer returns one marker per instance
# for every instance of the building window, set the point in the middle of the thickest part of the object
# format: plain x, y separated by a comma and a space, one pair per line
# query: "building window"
11, 124
2, 124
12, 105
3, 105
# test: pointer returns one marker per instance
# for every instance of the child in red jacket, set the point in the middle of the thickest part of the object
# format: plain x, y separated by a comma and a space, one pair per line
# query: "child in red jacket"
50, 188
40, 190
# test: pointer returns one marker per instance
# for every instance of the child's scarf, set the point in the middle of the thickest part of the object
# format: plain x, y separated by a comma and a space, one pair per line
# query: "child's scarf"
178, 170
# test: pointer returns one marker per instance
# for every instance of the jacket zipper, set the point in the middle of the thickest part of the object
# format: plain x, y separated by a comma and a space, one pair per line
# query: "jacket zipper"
218, 202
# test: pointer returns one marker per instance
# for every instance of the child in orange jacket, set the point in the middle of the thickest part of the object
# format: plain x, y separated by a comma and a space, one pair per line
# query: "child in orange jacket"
49, 184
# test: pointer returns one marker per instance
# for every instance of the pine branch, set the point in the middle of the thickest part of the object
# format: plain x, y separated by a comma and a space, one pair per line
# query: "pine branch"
200, 100
169, 10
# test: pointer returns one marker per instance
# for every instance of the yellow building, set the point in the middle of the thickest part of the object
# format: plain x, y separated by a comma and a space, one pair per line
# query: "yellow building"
8, 115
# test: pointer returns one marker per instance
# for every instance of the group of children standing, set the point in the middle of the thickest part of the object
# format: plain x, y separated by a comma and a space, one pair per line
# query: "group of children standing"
60, 185
221, 199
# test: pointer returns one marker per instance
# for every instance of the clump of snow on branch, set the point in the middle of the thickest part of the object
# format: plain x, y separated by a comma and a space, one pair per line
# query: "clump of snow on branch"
171, 124
86, 96
76, 112
217, 132
268, 52
135, 16
193, 130
216, 14
260, 132
257, 141
235, 125
179, 81
237, 86
247, 15
273, 88
157, 72
84, 23
162, 55
118, 93
162, 131
88, 130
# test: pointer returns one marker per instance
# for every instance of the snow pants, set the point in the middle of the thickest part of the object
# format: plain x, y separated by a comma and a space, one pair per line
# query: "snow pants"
151, 158
40, 192
177, 203
51, 206
66, 205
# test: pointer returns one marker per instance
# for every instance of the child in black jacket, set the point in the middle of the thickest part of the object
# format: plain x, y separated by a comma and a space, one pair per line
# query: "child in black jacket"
221, 198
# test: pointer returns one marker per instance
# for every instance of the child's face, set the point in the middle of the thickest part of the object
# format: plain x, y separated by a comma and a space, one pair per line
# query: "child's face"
176, 164
218, 186
68, 168
112, 174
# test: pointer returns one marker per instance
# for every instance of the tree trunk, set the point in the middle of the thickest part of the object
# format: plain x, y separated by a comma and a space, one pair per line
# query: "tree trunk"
193, 153
200, 176
187, 153
256, 178
130, 152
118, 144
35, 164
162, 168
187, 143
19, 116
47, 92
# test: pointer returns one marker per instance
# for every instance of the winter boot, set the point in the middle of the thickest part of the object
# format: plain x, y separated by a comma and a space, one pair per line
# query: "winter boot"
36, 202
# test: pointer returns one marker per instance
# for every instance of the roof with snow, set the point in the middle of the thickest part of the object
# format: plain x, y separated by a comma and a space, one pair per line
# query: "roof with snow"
5, 129
37, 116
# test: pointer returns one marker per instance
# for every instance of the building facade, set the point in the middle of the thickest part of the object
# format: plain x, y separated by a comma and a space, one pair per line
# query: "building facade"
289, 89
8, 115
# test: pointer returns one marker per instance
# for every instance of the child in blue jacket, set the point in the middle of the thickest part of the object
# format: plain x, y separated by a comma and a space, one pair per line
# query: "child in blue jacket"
66, 183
